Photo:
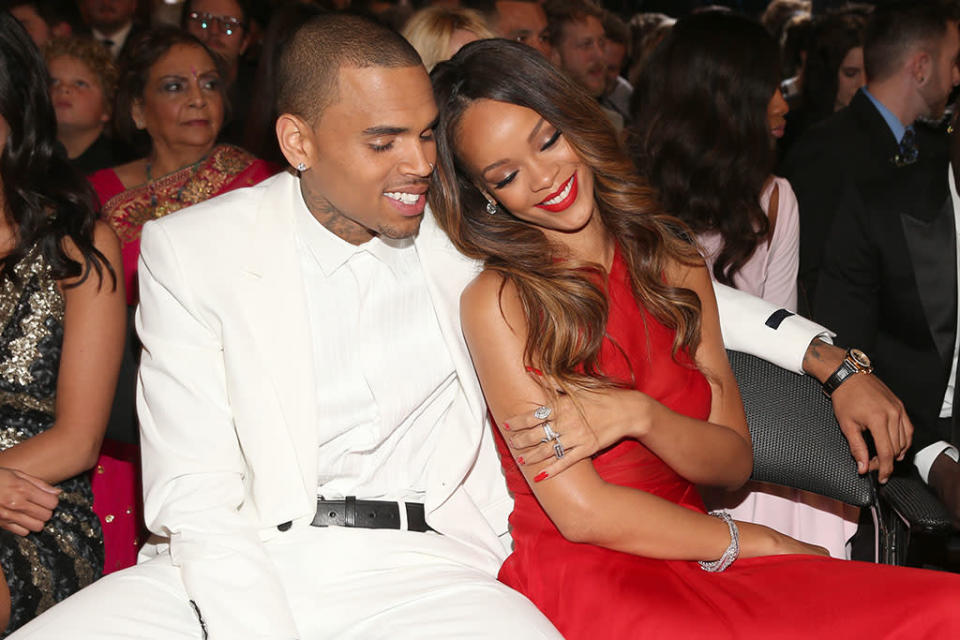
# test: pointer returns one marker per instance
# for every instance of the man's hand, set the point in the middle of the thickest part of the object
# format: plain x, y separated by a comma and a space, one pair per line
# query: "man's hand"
26, 502
945, 481
863, 403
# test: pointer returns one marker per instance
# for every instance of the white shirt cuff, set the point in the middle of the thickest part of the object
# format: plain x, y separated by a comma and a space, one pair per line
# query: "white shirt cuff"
924, 458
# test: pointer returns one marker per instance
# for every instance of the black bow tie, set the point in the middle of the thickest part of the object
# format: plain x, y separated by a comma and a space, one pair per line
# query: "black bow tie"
908, 152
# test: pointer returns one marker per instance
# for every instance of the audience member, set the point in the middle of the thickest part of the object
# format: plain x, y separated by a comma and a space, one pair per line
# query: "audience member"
779, 13
83, 82
910, 55
62, 333
169, 87
616, 90
708, 114
520, 20
588, 286
833, 72
647, 30
578, 39
111, 22
232, 353
43, 20
889, 285
224, 26
793, 56
438, 32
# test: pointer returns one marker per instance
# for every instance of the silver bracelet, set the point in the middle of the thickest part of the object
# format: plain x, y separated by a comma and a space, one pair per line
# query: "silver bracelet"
732, 552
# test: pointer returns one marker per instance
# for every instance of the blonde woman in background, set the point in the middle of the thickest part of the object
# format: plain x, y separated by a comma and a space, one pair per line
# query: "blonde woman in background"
438, 32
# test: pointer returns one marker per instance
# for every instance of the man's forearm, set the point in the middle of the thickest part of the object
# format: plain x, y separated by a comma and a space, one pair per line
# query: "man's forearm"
822, 359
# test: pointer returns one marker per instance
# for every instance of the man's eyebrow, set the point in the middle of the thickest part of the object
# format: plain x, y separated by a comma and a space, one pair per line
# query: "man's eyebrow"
385, 130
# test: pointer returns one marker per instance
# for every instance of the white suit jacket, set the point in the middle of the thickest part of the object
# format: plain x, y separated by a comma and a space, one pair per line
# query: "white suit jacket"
228, 409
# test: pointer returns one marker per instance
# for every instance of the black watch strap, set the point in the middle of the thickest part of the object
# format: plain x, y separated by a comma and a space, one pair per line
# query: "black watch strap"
844, 371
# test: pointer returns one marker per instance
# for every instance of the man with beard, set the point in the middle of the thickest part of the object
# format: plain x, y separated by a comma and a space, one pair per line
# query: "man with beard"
910, 54
579, 44
111, 22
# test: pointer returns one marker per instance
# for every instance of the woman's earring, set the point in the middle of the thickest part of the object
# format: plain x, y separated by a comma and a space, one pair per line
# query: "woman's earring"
301, 167
491, 207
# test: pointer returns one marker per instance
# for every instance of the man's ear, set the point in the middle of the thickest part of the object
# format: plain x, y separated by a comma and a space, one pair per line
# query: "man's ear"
921, 66
296, 140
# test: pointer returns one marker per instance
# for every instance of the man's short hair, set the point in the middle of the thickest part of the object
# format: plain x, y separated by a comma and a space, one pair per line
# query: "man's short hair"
53, 12
616, 29
897, 27
310, 65
562, 12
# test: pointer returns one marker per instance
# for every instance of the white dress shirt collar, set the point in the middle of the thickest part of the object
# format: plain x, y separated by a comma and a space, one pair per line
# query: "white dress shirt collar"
332, 252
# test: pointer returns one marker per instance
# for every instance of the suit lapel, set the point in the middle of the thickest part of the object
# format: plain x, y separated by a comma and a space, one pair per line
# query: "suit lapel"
931, 243
447, 272
278, 319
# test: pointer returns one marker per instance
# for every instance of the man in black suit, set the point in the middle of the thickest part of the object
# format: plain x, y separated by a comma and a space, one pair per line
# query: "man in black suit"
910, 54
888, 284
111, 22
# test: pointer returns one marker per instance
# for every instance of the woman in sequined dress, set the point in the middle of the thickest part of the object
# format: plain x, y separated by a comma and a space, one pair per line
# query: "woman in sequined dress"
61, 332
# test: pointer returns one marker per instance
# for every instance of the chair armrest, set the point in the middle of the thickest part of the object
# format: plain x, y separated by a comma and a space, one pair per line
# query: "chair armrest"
796, 440
913, 501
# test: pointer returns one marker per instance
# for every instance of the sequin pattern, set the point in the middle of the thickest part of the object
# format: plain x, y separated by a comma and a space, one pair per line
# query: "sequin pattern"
44, 567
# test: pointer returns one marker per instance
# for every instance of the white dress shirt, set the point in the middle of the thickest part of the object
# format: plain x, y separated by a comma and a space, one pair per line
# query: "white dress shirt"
117, 39
924, 458
385, 379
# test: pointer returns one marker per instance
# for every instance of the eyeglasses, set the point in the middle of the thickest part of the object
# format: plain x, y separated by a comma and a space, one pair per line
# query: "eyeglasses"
227, 24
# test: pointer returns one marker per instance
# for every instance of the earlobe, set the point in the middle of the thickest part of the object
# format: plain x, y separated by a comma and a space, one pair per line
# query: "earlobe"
136, 112
295, 139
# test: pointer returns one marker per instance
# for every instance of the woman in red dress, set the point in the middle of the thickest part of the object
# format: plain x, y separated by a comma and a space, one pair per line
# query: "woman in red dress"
170, 93
595, 316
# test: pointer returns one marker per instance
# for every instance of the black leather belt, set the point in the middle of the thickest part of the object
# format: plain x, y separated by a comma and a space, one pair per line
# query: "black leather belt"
368, 514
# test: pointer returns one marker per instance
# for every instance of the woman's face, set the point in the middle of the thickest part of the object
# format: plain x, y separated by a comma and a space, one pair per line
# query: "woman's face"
76, 95
182, 104
850, 77
458, 39
777, 110
525, 163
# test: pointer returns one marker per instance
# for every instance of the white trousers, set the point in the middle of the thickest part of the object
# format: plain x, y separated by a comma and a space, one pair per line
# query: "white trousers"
341, 583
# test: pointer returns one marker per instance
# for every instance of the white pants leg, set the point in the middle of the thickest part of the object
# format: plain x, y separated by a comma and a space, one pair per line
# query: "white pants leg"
342, 583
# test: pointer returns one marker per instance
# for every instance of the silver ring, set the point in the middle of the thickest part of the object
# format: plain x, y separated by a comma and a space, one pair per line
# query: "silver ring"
557, 448
542, 413
548, 433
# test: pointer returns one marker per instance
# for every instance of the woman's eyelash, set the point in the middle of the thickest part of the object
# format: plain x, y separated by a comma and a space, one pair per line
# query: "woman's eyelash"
549, 143
380, 148
505, 181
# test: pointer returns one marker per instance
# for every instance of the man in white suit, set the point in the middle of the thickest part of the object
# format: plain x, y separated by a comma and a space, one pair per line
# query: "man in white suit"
298, 342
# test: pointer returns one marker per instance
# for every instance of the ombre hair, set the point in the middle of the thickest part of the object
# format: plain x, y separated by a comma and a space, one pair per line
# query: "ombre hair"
564, 300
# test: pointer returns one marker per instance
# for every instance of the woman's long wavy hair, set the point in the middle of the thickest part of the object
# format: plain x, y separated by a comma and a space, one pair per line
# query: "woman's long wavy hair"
564, 300
701, 136
47, 201
834, 35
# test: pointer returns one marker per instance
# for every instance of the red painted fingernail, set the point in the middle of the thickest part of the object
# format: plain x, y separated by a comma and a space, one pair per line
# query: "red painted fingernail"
506, 427
520, 460
540, 476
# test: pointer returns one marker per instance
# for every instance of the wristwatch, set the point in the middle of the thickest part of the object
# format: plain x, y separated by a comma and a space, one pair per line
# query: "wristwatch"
856, 361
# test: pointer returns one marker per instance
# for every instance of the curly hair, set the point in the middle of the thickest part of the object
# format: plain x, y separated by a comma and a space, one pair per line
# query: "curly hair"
564, 300
47, 201
94, 56
701, 136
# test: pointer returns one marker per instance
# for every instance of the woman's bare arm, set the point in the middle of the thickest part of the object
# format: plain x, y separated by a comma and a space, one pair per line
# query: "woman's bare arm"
93, 335
583, 506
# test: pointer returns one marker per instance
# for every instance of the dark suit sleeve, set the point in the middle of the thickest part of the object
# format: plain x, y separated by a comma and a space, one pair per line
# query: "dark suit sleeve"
848, 293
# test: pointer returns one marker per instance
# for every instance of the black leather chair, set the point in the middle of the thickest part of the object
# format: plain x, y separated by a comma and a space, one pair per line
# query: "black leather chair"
797, 443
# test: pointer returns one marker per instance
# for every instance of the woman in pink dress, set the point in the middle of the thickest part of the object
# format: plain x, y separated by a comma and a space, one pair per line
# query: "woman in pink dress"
594, 332
170, 92
708, 114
